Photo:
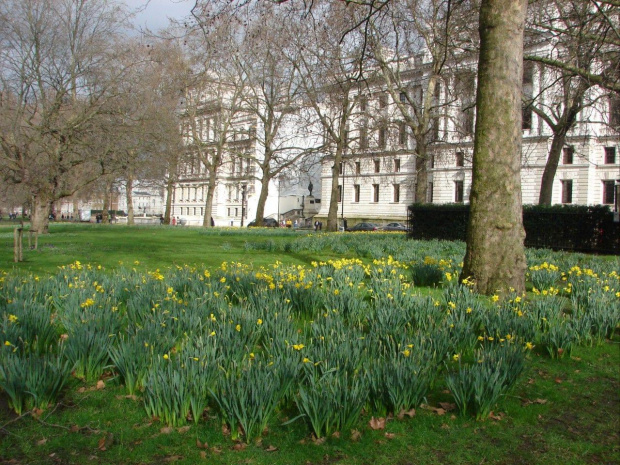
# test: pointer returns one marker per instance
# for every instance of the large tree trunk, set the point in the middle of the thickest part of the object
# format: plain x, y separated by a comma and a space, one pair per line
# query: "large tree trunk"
551, 167
495, 256
129, 196
41, 208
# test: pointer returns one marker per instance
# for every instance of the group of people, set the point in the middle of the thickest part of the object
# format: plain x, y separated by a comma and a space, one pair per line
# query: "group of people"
318, 225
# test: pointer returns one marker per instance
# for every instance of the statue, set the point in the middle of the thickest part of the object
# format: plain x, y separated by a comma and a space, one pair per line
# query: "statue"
310, 186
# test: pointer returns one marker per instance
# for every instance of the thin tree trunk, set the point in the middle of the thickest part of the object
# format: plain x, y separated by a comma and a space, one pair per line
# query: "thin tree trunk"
421, 180
129, 196
495, 256
105, 214
551, 167
206, 221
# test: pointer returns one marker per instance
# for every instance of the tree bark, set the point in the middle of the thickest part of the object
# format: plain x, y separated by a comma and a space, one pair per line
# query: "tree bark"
332, 213
421, 172
41, 207
551, 167
129, 196
495, 255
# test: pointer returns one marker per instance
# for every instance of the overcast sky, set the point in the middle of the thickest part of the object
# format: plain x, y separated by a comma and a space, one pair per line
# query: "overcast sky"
157, 12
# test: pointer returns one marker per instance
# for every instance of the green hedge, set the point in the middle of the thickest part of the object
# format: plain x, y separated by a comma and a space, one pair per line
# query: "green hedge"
561, 227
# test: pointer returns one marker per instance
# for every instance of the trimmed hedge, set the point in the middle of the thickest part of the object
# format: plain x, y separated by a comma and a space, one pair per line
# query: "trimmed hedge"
561, 227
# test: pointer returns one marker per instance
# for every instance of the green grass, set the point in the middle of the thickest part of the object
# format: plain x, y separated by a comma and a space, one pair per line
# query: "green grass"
575, 422
561, 411
152, 246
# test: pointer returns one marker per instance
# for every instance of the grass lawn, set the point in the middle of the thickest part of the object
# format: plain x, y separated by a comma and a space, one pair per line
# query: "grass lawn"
560, 411
151, 246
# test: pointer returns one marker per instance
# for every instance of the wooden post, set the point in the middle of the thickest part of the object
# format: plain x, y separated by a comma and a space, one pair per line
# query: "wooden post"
17, 245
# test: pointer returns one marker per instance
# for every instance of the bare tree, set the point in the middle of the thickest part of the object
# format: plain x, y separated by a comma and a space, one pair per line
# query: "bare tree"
567, 31
54, 57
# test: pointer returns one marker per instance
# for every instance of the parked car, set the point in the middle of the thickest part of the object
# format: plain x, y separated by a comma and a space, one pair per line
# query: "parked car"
363, 227
395, 227
267, 222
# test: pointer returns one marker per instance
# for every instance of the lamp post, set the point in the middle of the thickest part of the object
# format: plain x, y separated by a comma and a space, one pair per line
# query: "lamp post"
243, 194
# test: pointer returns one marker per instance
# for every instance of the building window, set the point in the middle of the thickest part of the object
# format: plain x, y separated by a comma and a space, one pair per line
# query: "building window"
610, 155
363, 142
358, 167
236, 212
567, 191
356, 193
383, 101
608, 192
402, 133
382, 136
429, 193
614, 112
397, 165
568, 154
377, 165
460, 158
396, 193
229, 212
363, 102
528, 95
458, 191
403, 97
375, 193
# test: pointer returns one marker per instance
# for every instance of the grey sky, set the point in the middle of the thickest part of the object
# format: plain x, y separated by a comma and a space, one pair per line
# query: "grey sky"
155, 15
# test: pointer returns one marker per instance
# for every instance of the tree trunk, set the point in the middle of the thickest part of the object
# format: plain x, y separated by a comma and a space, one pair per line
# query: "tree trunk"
262, 199
41, 208
551, 167
76, 209
495, 256
129, 196
105, 214
332, 213
421, 179
206, 221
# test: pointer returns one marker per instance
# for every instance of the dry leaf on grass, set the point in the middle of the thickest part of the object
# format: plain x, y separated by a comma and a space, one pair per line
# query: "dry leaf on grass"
183, 429
271, 449
100, 385
377, 423
40, 442
239, 446
201, 445
166, 430
403, 412
355, 435
498, 417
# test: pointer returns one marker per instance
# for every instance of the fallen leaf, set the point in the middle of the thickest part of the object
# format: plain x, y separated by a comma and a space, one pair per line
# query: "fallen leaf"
183, 429
203, 454
100, 385
577, 359
377, 423
498, 417
216, 450
201, 445
445, 426
131, 397
166, 430
225, 430
239, 446
355, 435
81, 390
173, 458
558, 381
403, 412
438, 410
540, 401
447, 406
36, 412
336, 434
271, 449
531, 381
390, 435
40, 442
105, 441
74, 428
318, 441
